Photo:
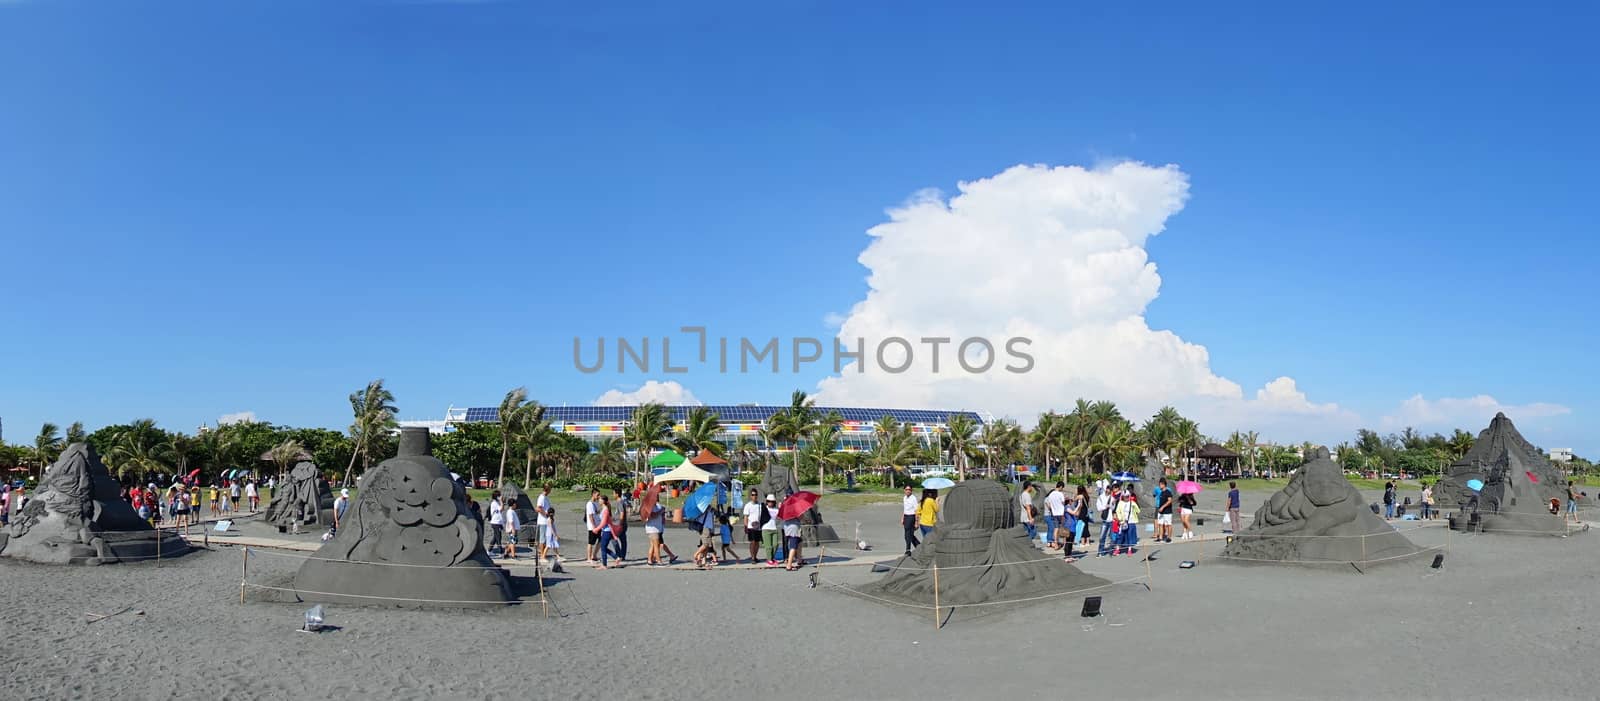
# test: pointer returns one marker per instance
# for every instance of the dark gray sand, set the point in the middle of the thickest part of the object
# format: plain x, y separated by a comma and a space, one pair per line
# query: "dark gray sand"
1214, 631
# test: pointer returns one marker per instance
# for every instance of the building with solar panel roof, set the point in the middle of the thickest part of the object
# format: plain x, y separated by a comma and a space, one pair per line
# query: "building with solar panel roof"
595, 424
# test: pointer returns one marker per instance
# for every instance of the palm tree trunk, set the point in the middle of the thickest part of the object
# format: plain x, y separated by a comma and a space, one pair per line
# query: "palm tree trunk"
505, 450
354, 453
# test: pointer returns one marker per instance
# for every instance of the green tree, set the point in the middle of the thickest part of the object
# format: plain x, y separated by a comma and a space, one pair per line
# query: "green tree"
374, 412
75, 433
700, 430
609, 456
508, 416
46, 446
649, 429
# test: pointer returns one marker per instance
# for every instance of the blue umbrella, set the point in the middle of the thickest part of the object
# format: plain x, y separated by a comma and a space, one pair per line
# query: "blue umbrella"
1475, 485
701, 499
1125, 477
937, 483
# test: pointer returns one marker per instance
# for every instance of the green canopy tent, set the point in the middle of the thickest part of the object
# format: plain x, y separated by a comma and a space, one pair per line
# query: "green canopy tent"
670, 458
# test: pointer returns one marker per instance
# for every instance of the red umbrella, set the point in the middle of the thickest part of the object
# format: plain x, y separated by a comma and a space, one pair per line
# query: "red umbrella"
797, 504
648, 503
1533, 478
1189, 487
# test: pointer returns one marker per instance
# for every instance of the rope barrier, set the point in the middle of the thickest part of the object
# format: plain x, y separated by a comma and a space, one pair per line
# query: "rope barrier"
1423, 551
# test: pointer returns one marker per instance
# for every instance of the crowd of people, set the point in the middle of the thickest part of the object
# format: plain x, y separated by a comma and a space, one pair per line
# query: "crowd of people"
607, 519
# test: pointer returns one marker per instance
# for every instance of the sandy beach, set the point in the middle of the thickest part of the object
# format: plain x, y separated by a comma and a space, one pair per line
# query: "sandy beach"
1504, 618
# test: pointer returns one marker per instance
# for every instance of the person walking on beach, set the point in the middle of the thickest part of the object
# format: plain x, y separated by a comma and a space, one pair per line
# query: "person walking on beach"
725, 532
225, 503
1105, 506
705, 556
1084, 505
791, 543
908, 519
1427, 501
654, 524
606, 532
927, 512
619, 526
771, 528
752, 524
591, 523
1186, 503
1127, 518
1233, 509
194, 502
1025, 510
340, 506
549, 542
542, 509
1572, 503
512, 523
252, 495
214, 496
234, 492
1162, 496
1055, 508
1388, 500
497, 521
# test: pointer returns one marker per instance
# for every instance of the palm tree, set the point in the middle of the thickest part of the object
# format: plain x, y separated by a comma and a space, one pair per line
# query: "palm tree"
136, 451
745, 451
610, 455
530, 429
1046, 435
894, 451
1187, 438
794, 422
646, 431
700, 430
47, 445
285, 454
75, 433
221, 447
822, 449
374, 410
991, 437
182, 447
1251, 439
1114, 445
959, 438
1460, 442
510, 406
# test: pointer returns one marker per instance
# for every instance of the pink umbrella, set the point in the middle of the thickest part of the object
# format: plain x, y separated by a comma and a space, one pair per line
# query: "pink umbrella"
1532, 477
1189, 487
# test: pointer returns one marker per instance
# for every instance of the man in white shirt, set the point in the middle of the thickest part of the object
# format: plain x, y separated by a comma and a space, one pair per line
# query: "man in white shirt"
1025, 510
591, 523
1055, 513
542, 507
752, 524
908, 518
497, 520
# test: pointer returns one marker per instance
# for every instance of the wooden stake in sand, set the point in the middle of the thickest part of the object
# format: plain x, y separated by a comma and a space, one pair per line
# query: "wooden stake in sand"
1363, 548
158, 547
936, 594
538, 571
244, 572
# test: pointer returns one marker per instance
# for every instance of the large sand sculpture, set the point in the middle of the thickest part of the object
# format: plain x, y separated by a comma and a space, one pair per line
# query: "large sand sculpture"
1518, 484
1319, 517
528, 533
77, 517
304, 499
983, 556
408, 540
780, 482
1151, 476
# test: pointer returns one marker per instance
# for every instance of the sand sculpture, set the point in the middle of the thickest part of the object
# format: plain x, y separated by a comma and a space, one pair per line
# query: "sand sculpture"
780, 482
526, 515
1518, 484
983, 556
77, 516
304, 499
1319, 517
1152, 474
408, 540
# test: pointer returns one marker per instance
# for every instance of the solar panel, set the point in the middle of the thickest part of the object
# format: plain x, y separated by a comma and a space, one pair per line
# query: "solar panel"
729, 413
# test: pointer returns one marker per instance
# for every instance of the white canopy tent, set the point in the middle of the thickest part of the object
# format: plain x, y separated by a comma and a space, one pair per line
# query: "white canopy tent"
685, 471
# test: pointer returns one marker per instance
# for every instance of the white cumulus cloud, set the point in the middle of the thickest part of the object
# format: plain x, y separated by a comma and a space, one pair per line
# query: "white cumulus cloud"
1056, 255
237, 417
669, 393
1472, 413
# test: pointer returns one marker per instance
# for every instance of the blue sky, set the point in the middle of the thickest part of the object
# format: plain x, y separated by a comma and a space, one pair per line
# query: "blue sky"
208, 208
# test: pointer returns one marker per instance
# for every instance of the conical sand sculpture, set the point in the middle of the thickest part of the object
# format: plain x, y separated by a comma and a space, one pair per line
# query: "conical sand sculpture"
1319, 517
526, 515
1518, 484
983, 556
408, 540
78, 517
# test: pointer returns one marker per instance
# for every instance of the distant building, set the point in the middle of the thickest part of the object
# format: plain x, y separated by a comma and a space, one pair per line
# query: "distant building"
1561, 455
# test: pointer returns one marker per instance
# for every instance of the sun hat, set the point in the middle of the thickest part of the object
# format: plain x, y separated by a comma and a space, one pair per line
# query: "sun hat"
771, 498
344, 492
